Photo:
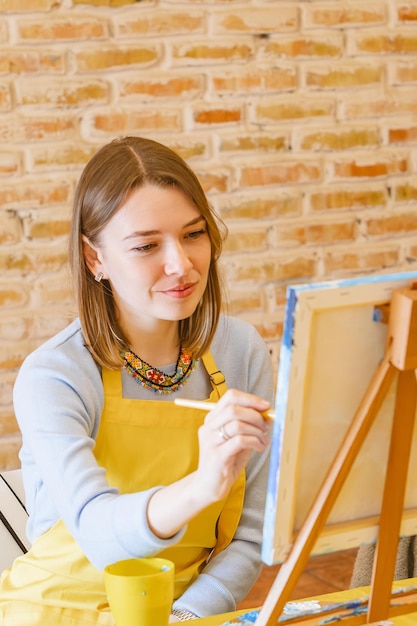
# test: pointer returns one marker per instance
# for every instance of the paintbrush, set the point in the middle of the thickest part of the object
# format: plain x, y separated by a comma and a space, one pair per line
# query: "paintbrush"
207, 406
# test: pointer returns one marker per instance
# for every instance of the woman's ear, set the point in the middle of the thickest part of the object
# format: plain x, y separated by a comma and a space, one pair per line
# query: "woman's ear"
92, 257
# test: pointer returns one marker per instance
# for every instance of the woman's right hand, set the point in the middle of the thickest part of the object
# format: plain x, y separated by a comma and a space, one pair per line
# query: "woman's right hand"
231, 430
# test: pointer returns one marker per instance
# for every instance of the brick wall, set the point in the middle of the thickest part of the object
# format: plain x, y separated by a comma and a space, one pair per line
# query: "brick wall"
299, 116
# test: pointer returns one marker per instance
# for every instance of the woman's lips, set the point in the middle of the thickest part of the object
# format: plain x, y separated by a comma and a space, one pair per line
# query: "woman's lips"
181, 291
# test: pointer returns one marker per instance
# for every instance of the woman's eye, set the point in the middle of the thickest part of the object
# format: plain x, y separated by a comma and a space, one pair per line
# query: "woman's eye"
195, 234
145, 248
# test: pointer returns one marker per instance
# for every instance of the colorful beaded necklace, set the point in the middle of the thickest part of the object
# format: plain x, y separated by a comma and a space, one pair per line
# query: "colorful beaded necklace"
154, 379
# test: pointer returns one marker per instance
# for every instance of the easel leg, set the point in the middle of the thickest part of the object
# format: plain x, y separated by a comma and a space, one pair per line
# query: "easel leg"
296, 561
393, 496
401, 355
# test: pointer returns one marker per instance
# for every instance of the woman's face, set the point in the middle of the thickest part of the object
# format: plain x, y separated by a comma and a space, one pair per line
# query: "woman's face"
156, 253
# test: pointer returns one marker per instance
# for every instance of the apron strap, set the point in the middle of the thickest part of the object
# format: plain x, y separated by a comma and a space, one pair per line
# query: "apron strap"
217, 379
230, 516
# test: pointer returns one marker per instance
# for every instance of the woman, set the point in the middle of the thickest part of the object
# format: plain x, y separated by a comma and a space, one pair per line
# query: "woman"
113, 469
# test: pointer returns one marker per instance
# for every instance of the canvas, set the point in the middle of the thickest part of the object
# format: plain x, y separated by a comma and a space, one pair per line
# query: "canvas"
334, 338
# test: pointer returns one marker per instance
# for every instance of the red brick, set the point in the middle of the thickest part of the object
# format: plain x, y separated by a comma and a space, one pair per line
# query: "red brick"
53, 259
239, 240
279, 295
400, 223
138, 120
385, 44
15, 328
252, 81
6, 400
344, 76
9, 449
160, 23
5, 97
287, 204
217, 115
360, 260
379, 167
48, 322
62, 28
61, 156
404, 73
35, 193
198, 53
22, 129
10, 163
62, 92
407, 13
10, 228
280, 111
308, 234
375, 106
109, 57
411, 254
405, 192
33, 326
307, 47
12, 355
257, 20
54, 290
213, 2
15, 262
245, 143
104, 3
330, 14
280, 173
12, 295
189, 149
243, 300
37, 228
4, 31
22, 6
261, 267
162, 86
269, 329
343, 139
8, 424
215, 180
402, 135
342, 199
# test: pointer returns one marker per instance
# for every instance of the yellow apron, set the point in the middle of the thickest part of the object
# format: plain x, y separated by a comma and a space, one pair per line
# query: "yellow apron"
54, 583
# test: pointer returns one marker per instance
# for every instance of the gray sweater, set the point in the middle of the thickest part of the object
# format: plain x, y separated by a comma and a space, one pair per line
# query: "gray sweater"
58, 399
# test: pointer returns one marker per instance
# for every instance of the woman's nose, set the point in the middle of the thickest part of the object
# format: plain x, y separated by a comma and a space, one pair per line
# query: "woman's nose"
177, 260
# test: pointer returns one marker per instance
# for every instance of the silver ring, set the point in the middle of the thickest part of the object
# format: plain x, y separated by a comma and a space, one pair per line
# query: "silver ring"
223, 434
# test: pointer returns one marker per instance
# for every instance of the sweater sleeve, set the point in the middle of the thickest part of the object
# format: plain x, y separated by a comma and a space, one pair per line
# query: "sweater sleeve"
58, 399
228, 577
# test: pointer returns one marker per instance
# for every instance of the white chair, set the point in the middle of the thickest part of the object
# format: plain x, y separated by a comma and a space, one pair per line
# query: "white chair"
13, 518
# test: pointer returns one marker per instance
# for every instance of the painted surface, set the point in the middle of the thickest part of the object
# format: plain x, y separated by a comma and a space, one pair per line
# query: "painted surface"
322, 612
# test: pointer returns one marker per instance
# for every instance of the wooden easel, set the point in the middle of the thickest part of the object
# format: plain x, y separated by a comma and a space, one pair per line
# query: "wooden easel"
400, 358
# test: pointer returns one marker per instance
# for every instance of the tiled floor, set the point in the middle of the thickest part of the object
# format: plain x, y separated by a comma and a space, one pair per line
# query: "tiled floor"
324, 573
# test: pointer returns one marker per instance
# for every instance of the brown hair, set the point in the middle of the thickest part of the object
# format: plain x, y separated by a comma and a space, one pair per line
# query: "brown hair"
112, 173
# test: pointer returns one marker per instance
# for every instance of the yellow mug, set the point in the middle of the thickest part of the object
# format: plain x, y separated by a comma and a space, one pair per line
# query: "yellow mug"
140, 592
